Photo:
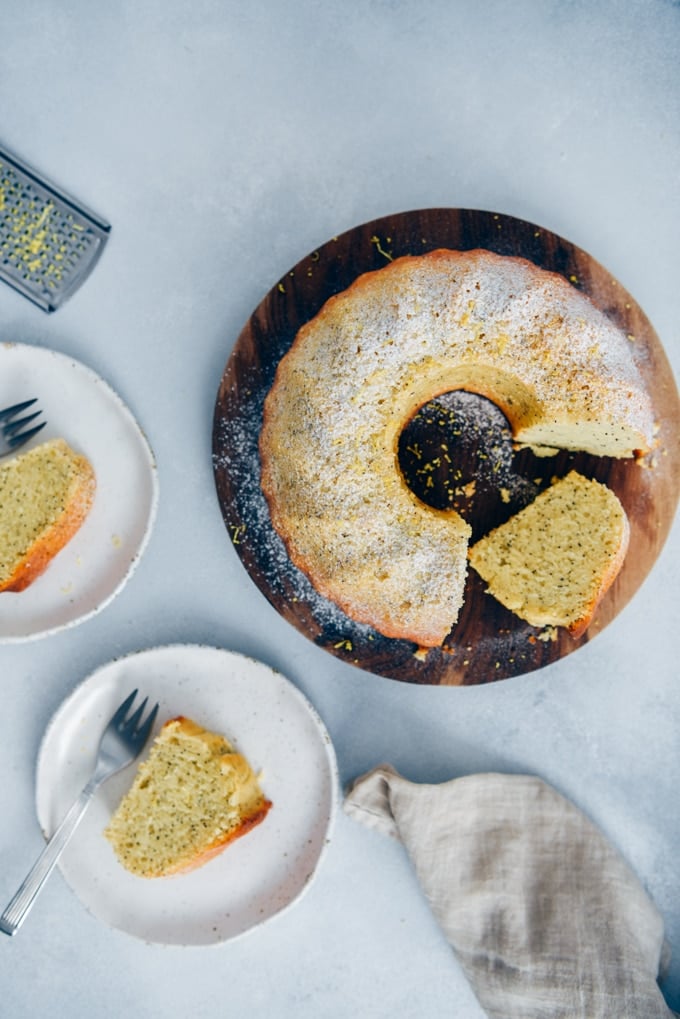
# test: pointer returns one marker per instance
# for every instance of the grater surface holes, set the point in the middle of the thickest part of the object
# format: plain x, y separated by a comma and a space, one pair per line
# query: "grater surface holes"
46, 245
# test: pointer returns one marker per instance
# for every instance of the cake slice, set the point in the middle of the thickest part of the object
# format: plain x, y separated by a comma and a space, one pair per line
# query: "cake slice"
552, 562
45, 495
191, 797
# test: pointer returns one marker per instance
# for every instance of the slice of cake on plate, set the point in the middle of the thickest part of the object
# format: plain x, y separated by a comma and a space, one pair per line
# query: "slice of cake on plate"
191, 797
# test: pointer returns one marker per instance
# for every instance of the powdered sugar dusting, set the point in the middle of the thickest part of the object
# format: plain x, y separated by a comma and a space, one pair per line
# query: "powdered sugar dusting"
377, 351
236, 458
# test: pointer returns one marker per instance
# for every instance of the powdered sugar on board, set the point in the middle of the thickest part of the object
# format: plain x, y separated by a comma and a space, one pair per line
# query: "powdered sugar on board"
237, 458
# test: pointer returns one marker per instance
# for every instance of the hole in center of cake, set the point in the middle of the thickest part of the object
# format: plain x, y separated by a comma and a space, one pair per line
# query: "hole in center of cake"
457, 453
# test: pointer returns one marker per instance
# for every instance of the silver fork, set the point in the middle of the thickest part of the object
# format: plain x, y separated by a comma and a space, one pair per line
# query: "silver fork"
121, 742
11, 434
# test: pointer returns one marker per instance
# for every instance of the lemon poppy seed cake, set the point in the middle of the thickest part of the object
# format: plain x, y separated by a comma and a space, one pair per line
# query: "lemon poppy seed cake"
191, 797
45, 495
552, 562
559, 369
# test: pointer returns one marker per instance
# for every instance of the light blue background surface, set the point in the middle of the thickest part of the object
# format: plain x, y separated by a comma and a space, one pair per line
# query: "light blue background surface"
224, 141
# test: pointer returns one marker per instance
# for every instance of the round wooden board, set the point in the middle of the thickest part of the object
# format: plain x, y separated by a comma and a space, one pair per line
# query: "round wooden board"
488, 643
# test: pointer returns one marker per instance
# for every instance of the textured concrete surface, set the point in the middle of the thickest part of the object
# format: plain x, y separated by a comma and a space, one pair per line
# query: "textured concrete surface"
224, 141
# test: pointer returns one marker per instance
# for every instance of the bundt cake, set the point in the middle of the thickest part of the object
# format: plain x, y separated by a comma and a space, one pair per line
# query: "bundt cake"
558, 368
191, 797
45, 495
552, 562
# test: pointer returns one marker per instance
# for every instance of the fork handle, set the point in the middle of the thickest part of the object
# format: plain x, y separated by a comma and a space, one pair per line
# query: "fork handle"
19, 906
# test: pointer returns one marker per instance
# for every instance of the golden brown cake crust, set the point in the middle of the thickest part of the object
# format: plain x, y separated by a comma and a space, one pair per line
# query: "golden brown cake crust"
557, 367
246, 825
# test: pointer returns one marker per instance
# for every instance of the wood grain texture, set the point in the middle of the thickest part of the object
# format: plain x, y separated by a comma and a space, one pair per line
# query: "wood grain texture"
488, 643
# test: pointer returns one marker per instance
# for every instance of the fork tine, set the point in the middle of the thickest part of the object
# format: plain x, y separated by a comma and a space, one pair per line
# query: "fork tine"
15, 426
9, 412
119, 716
132, 721
145, 729
140, 732
19, 440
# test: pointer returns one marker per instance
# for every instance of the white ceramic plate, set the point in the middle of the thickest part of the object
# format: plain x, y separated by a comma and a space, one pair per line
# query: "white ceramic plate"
257, 876
81, 408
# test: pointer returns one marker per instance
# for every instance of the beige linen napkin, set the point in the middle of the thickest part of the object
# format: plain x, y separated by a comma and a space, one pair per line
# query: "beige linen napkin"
546, 918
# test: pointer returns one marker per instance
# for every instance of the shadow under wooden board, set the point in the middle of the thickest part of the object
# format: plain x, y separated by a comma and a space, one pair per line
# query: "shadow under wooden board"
488, 642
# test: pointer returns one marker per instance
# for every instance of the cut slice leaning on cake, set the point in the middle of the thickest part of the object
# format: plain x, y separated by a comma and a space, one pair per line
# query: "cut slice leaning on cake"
552, 563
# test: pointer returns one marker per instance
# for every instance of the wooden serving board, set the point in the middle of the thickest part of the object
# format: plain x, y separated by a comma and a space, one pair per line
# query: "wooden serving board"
488, 642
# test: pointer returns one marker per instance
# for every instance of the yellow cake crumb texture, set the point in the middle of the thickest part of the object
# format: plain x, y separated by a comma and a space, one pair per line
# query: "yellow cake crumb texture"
45, 495
553, 561
191, 797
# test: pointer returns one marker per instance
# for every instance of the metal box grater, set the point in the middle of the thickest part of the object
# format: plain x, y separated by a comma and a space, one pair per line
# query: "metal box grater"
49, 242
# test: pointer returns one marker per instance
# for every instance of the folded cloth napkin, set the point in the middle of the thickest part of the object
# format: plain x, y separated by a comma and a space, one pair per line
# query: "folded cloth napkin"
546, 918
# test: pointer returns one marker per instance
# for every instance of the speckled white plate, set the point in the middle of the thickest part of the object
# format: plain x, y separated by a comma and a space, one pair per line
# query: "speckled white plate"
83, 409
256, 877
